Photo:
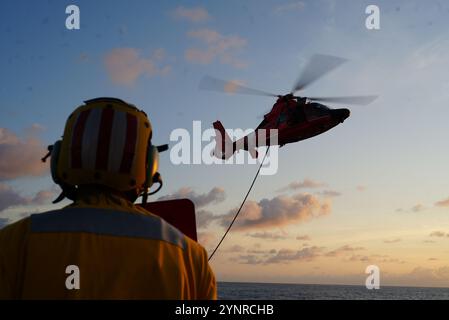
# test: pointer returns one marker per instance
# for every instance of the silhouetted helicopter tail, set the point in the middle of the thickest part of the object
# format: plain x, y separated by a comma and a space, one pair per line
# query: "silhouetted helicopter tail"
224, 147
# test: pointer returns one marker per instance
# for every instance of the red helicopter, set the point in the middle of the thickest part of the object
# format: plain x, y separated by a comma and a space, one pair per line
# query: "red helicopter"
295, 118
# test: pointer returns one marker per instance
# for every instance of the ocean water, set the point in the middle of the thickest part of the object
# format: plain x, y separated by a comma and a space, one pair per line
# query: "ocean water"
271, 291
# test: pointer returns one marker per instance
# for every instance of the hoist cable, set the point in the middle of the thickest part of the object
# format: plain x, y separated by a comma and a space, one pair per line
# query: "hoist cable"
241, 206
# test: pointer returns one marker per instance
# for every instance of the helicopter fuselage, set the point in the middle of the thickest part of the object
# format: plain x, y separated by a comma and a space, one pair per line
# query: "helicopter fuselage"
295, 120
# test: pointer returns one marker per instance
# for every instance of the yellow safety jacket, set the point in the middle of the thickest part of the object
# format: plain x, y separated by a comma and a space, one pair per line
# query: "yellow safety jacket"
119, 251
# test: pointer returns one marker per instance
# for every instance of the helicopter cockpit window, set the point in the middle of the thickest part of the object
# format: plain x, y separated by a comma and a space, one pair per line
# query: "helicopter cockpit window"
316, 110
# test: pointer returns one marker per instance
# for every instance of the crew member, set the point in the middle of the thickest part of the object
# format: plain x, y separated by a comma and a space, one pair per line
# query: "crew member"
102, 246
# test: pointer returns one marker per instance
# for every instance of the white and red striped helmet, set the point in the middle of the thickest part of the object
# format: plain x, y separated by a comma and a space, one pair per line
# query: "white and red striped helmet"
105, 142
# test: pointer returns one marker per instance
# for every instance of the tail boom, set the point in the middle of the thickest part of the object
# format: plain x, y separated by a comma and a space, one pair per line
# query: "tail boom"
225, 147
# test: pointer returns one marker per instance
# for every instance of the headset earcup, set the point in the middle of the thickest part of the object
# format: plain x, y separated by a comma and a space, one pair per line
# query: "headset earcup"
54, 161
152, 164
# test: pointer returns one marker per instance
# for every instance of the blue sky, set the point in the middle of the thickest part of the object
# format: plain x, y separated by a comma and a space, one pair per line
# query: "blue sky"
387, 162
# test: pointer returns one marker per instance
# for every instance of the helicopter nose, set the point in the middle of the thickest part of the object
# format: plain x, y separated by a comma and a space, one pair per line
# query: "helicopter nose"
341, 114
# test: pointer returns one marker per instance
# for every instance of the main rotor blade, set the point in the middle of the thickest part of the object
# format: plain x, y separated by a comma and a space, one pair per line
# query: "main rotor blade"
360, 100
215, 84
317, 67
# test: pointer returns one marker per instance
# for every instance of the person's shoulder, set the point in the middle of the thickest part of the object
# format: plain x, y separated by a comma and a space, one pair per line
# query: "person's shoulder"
195, 249
15, 229
139, 209
24, 222
190, 245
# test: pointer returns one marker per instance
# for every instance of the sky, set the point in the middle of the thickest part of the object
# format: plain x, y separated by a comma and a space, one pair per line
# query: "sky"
372, 191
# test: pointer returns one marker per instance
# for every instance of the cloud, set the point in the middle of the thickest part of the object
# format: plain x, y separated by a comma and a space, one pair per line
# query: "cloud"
208, 36
256, 257
421, 276
42, 197
248, 259
417, 208
11, 198
278, 211
442, 203
303, 238
261, 251
268, 235
375, 258
304, 254
125, 65
438, 234
197, 14
392, 240
306, 184
236, 248
359, 257
215, 195
330, 193
391, 260
310, 253
341, 251
204, 217
288, 7
206, 238
21, 156
215, 47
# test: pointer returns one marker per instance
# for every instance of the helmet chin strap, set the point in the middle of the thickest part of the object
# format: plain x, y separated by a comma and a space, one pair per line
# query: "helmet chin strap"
156, 179
145, 193
68, 192
59, 198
